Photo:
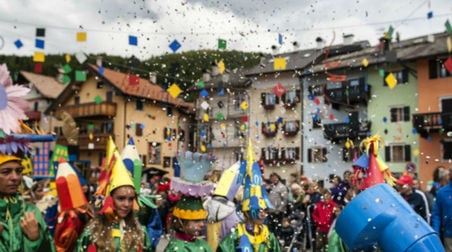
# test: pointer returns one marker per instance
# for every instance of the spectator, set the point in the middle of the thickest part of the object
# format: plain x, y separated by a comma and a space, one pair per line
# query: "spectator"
442, 214
440, 179
339, 189
335, 243
277, 195
312, 197
415, 198
323, 217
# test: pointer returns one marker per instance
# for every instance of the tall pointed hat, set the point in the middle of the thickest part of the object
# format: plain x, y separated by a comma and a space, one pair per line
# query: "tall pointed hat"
69, 189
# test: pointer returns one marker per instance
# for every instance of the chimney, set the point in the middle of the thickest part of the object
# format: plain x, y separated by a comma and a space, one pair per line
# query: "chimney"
348, 38
320, 42
153, 77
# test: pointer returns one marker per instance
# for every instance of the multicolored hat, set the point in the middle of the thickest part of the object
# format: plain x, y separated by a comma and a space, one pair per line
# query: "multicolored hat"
120, 176
69, 189
255, 196
190, 208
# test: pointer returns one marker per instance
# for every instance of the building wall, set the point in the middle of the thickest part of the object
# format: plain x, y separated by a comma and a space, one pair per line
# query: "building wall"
430, 92
258, 115
152, 121
383, 99
316, 106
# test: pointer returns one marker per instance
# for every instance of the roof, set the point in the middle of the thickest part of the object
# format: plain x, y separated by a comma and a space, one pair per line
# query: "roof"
144, 88
230, 79
410, 49
303, 59
47, 86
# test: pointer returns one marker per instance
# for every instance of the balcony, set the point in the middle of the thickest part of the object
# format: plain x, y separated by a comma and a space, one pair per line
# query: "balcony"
91, 109
342, 131
349, 94
97, 143
426, 123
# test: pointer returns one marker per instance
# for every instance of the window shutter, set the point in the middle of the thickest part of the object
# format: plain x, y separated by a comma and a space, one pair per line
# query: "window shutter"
277, 99
263, 98
138, 130
325, 159
387, 153
344, 154
297, 153
405, 75
406, 113
407, 152
309, 155
384, 79
433, 72
262, 153
393, 113
283, 153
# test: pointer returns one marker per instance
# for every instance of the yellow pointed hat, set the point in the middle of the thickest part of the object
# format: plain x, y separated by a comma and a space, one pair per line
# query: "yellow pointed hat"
120, 176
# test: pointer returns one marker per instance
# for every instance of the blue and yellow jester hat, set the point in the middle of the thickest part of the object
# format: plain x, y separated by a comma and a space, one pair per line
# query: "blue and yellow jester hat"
255, 196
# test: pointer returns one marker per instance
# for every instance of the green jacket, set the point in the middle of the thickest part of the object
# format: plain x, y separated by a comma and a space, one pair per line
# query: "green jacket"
198, 245
12, 238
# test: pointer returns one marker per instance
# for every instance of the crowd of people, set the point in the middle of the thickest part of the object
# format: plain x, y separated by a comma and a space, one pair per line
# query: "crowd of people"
299, 213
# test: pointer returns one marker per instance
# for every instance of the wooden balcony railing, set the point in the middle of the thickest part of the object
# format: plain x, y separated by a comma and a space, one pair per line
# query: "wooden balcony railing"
92, 109
341, 131
98, 142
434, 122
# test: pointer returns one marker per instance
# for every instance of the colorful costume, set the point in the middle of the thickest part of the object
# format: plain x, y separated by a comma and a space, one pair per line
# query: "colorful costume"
189, 210
265, 241
251, 234
115, 229
12, 238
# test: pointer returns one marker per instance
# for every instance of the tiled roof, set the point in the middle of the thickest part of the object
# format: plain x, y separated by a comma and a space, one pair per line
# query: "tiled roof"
49, 87
144, 88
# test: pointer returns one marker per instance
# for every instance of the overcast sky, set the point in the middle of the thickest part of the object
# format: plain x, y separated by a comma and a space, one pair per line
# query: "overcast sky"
246, 25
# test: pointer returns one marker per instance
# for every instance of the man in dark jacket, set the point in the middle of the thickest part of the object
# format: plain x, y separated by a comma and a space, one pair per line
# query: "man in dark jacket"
442, 210
415, 198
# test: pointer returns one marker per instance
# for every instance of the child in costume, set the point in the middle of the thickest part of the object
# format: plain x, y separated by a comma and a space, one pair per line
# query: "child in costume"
251, 234
116, 227
189, 215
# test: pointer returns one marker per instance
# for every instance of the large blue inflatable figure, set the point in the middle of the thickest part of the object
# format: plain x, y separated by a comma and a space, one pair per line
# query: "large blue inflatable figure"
379, 218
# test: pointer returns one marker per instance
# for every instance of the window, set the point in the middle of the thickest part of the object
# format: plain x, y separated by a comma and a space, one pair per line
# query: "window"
269, 128
291, 153
139, 105
109, 95
398, 152
291, 97
317, 155
269, 100
107, 127
447, 149
401, 77
290, 128
400, 114
437, 69
77, 100
100, 84
270, 153
349, 154
139, 129
154, 153
315, 90
238, 100
316, 122
169, 134
206, 134
169, 112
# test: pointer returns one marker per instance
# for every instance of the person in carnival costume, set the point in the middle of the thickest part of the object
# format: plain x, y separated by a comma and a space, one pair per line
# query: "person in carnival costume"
189, 215
74, 208
22, 226
115, 227
251, 234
